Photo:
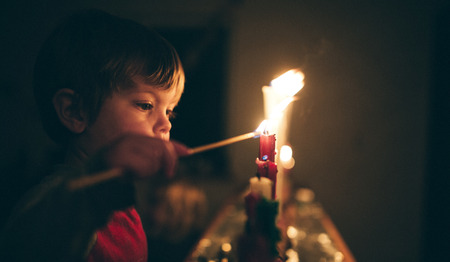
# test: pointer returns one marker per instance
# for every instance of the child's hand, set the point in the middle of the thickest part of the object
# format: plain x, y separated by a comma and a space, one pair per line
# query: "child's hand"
143, 156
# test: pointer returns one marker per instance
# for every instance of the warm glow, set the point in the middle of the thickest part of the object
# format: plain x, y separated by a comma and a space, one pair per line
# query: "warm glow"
301, 235
286, 159
262, 127
291, 232
205, 242
226, 247
265, 126
285, 153
289, 83
292, 255
285, 87
323, 239
338, 256
277, 112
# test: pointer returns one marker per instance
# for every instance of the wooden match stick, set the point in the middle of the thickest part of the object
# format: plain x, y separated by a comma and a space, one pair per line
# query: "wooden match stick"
223, 143
93, 179
96, 178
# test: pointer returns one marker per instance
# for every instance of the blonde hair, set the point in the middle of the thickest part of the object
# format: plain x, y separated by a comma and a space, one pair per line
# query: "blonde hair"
95, 54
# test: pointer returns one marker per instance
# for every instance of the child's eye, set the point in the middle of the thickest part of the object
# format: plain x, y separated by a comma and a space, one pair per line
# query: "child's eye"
145, 106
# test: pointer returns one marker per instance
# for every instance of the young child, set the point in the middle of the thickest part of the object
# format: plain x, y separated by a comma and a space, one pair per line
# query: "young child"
106, 88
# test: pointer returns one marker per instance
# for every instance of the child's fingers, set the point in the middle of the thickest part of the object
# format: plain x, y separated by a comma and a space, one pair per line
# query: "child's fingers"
155, 156
145, 156
180, 149
170, 158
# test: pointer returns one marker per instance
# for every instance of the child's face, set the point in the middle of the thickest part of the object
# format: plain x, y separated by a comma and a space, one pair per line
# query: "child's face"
143, 110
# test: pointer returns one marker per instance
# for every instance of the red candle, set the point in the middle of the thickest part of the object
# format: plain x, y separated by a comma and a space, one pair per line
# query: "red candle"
266, 161
267, 147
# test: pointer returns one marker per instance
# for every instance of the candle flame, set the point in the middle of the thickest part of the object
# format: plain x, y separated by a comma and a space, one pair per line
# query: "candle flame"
266, 126
284, 89
277, 111
274, 116
262, 128
289, 83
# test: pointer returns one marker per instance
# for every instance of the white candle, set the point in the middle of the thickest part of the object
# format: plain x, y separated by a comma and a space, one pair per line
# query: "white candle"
277, 98
261, 186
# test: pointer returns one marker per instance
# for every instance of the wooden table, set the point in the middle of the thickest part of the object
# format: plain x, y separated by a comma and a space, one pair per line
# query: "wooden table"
309, 232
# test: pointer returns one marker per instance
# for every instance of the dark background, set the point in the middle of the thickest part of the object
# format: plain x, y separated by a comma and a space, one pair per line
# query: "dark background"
370, 133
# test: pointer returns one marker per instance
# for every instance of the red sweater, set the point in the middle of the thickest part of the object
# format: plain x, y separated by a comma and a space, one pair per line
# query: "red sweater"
122, 239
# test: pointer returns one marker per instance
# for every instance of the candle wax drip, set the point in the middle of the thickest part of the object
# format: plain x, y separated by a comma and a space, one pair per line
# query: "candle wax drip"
268, 169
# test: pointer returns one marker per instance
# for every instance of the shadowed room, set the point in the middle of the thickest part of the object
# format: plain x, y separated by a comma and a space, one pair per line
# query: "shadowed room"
369, 130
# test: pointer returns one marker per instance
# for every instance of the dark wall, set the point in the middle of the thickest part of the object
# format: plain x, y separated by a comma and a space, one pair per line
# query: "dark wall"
436, 237
360, 130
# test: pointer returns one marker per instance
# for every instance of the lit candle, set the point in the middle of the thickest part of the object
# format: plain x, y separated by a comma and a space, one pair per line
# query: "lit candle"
266, 158
267, 147
277, 98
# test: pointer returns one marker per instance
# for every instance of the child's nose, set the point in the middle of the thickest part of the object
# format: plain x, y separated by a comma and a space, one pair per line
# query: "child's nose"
162, 127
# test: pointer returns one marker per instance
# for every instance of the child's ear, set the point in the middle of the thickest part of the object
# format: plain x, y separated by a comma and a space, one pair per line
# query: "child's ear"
67, 106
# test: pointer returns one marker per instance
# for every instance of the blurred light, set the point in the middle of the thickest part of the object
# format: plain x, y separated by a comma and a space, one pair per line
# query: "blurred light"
291, 232
289, 83
285, 153
226, 247
304, 195
292, 255
284, 89
338, 256
262, 128
301, 234
286, 159
323, 239
277, 111
205, 242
